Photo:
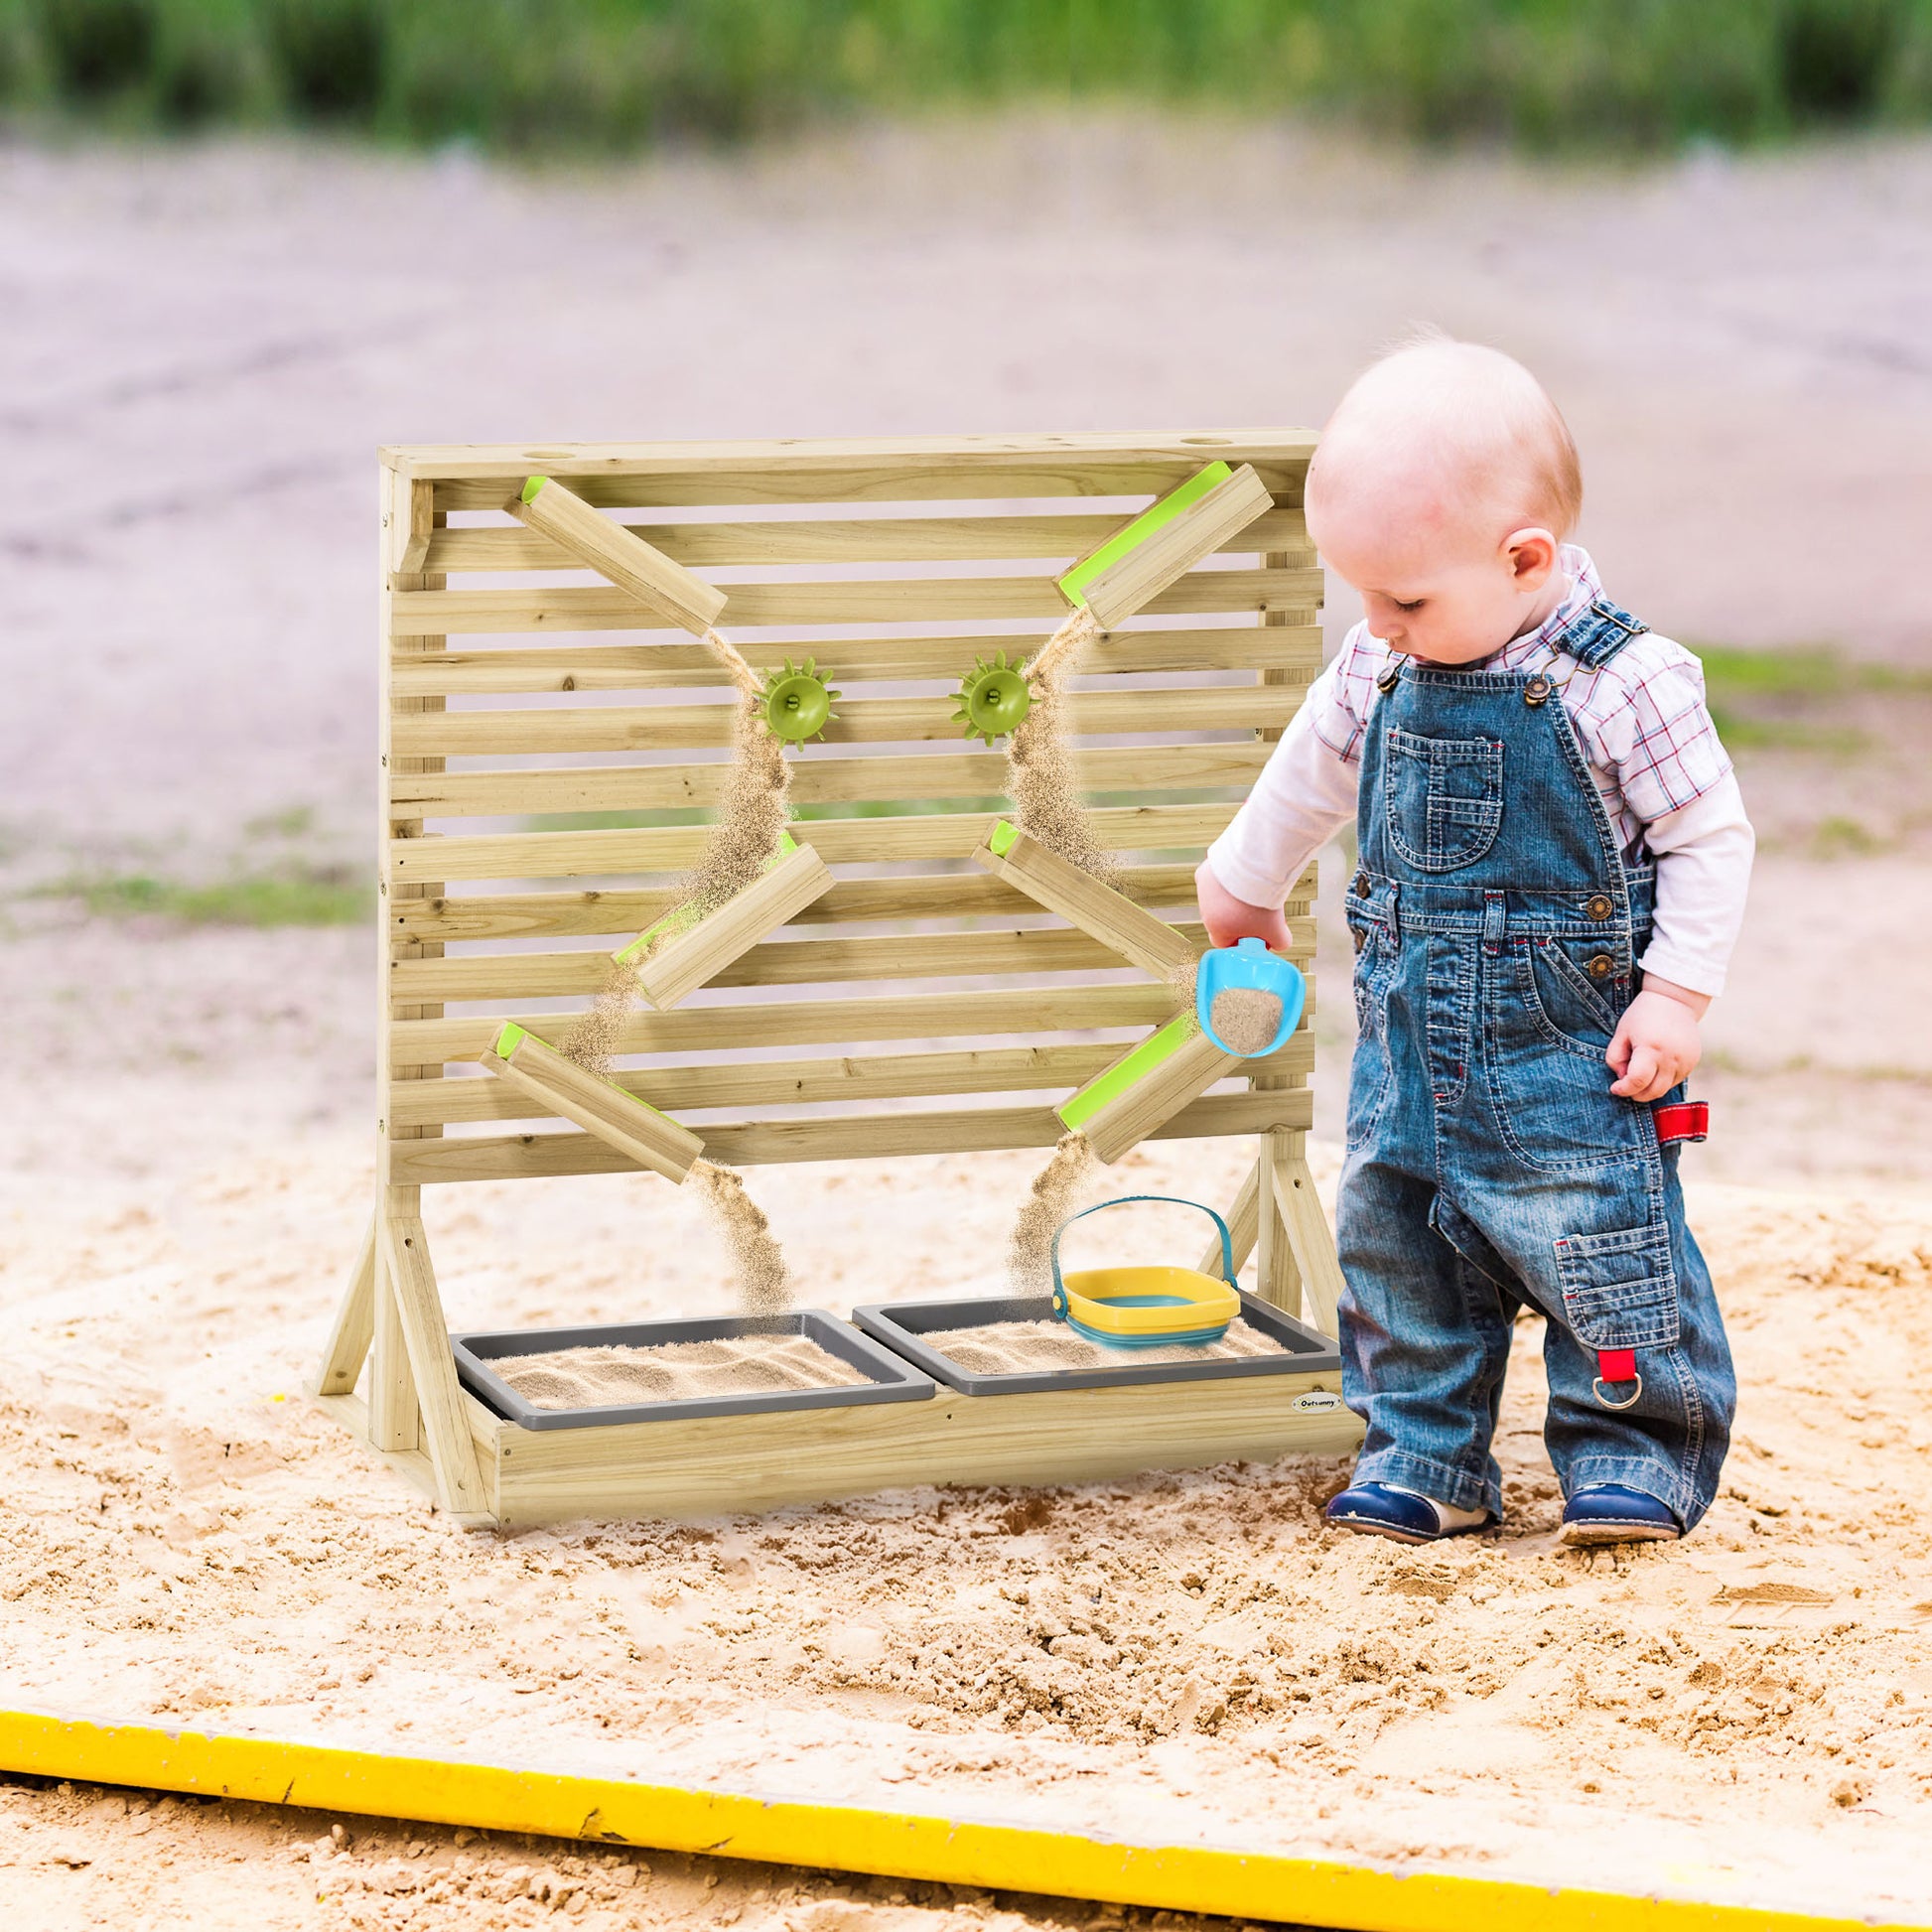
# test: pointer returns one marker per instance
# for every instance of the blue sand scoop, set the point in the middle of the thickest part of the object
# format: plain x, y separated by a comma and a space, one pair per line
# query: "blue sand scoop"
1249, 964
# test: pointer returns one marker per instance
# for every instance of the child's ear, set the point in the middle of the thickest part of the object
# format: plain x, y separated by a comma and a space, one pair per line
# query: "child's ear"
1532, 555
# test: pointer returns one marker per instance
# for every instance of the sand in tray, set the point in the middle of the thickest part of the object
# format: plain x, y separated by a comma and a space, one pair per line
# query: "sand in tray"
676, 1371
1038, 1347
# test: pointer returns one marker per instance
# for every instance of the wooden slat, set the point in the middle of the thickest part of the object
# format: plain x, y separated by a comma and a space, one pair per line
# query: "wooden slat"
858, 470
1158, 1096
891, 600
864, 1077
814, 782
446, 1435
547, 915
1312, 1242
850, 1137
838, 540
349, 1334
818, 1023
793, 962
1295, 649
718, 1466
668, 847
1146, 709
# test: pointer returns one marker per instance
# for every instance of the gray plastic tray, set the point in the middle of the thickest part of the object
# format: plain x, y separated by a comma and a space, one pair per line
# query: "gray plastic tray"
913, 1328
890, 1379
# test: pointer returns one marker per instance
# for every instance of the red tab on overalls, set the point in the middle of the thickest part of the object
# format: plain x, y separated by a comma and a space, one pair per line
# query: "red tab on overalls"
1682, 1120
1616, 1364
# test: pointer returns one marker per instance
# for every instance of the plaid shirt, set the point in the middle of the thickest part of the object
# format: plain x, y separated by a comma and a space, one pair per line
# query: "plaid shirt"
1641, 719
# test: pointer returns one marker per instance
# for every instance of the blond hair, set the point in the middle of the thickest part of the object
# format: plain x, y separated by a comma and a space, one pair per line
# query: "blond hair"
1431, 406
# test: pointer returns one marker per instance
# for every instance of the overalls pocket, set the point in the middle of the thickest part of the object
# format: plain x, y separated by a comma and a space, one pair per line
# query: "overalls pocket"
1570, 999
1444, 799
1548, 1030
1369, 1071
1619, 1289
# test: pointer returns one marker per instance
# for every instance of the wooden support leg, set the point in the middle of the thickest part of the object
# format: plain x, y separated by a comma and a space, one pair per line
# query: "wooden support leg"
419, 1309
1278, 1274
1313, 1244
348, 1337
395, 1421
1241, 1227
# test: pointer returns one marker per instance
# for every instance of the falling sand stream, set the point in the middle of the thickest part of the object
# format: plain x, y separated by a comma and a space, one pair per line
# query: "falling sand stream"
751, 823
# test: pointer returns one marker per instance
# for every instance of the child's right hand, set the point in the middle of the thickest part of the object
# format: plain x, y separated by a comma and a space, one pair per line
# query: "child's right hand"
1228, 919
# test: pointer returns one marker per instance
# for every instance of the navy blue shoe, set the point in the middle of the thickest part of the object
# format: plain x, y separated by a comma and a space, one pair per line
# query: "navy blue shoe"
1374, 1509
1610, 1513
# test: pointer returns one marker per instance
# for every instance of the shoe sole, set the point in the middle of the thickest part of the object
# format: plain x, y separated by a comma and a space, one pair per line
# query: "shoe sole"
1365, 1526
1588, 1536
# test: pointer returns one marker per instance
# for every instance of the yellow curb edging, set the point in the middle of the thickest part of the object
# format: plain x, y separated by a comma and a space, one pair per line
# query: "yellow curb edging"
844, 1837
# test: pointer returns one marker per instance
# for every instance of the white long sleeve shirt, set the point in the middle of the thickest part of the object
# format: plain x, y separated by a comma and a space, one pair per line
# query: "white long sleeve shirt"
1653, 753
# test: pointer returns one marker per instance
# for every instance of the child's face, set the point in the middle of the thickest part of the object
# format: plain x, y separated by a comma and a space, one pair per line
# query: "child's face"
1443, 594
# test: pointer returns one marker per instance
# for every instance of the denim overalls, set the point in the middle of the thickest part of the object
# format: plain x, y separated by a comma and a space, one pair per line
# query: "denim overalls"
1497, 924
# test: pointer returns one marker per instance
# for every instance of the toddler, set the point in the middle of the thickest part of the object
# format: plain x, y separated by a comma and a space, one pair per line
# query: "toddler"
1554, 861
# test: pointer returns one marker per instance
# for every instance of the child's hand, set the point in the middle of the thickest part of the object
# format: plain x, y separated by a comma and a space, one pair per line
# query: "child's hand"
1656, 1043
1228, 919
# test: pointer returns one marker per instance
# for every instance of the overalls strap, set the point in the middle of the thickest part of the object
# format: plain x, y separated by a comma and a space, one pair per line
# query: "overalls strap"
1598, 633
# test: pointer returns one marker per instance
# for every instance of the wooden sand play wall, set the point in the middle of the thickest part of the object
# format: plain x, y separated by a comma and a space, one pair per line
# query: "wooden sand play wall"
550, 752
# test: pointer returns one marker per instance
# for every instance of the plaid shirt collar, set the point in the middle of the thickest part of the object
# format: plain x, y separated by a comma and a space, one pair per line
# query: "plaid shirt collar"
1541, 643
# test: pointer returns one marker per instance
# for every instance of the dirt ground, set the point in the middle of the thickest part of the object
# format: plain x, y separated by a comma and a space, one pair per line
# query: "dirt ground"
205, 346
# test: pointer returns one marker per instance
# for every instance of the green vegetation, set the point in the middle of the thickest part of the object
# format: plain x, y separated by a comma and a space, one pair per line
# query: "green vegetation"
305, 896
1786, 699
532, 76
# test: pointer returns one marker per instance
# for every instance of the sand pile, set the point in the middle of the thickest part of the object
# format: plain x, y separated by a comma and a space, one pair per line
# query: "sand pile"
1025, 1347
1245, 1017
1195, 1648
679, 1371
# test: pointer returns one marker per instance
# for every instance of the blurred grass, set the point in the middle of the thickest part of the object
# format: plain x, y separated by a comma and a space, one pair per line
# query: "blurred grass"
1784, 700
309, 897
610, 76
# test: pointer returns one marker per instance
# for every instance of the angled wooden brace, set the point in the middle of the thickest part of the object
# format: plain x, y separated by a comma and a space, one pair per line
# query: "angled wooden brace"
432, 1367
1137, 934
1310, 1241
618, 554
347, 1346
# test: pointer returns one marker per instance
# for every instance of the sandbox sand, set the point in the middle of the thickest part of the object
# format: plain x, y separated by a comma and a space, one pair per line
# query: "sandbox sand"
1028, 1347
679, 1371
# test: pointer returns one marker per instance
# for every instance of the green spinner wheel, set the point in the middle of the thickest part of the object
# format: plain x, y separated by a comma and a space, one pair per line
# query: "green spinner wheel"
993, 698
797, 702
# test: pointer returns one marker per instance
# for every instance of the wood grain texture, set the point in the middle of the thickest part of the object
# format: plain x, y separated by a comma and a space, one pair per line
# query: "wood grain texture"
432, 1367
884, 600
814, 782
849, 1136
709, 1466
1137, 582
1145, 710
1158, 1096
626, 1123
843, 1077
567, 665
942, 538
1104, 914
1312, 1242
673, 848
679, 966
351, 1332
635, 568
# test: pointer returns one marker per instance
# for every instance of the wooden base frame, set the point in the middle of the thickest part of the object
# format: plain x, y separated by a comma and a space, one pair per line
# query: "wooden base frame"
867, 509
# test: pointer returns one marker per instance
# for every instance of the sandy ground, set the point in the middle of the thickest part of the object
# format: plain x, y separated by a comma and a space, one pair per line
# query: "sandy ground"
204, 348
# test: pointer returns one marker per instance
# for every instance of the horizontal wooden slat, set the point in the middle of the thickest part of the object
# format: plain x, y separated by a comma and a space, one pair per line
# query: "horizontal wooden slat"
672, 848
791, 962
855, 471
544, 915
838, 540
859, 721
814, 782
816, 1023
809, 1082
570, 666
862, 1136
891, 600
